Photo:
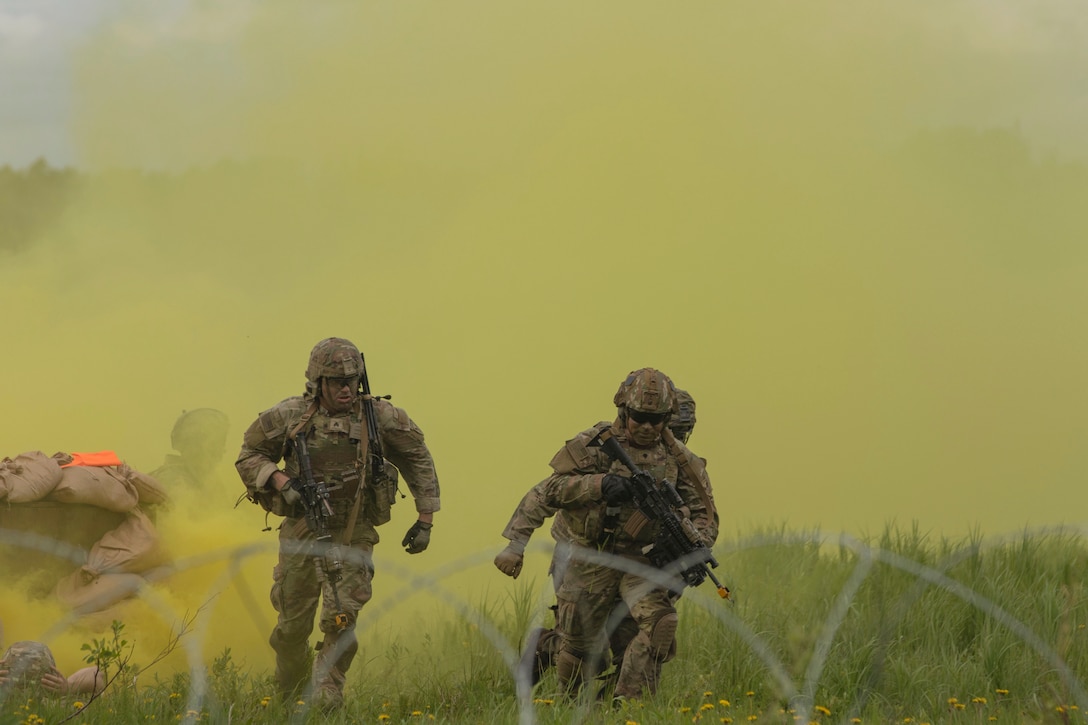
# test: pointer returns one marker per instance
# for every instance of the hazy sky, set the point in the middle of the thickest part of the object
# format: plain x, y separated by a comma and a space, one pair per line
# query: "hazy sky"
851, 230
1040, 47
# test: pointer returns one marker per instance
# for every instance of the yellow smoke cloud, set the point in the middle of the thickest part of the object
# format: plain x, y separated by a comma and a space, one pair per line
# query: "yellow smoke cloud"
826, 223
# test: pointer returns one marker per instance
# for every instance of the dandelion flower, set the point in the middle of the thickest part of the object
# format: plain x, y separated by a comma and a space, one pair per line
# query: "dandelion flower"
978, 700
416, 712
727, 720
750, 693
77, 704
630, 722
952, 701
383, 716
707, 706
685, 710
856, 720
723, 703
822, 710
1001, 691
175, 695
960, 706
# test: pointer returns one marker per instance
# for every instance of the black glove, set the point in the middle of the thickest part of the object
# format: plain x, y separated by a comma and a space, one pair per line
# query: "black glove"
417, 538
616, 489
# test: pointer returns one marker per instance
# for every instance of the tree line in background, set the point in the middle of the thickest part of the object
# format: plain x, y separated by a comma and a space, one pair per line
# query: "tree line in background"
977, 185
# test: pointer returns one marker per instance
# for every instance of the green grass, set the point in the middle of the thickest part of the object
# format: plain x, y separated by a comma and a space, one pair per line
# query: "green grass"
894, 626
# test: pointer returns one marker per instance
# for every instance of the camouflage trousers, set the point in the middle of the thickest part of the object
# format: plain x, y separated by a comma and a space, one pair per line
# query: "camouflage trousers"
305, 577
594, 600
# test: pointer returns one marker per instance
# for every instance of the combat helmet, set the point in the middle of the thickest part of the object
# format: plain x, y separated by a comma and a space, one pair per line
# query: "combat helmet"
334, 357
198, 428
27, 662
683, 420
647, 391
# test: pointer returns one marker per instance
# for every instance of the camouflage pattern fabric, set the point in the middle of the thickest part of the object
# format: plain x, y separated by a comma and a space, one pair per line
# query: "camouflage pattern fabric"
26, 663
299, 582
589, 593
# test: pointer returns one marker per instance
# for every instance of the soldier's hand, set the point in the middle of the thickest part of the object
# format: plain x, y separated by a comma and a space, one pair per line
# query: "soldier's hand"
291, 496
417, 538
55, 682
510, 559
616, 489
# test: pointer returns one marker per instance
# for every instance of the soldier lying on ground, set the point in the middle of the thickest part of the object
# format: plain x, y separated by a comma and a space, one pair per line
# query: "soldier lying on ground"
29, 665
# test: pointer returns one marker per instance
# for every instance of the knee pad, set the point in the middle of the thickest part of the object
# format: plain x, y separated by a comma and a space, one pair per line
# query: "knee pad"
663, 635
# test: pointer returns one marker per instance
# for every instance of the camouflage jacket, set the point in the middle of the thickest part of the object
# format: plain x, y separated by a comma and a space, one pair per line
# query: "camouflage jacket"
337, 454
573, 493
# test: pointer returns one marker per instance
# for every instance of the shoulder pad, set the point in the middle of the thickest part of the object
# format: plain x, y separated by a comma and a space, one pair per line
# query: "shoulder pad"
275, 420
575, 454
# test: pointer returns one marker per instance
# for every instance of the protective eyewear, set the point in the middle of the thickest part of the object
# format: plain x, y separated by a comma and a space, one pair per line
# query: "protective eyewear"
640, 417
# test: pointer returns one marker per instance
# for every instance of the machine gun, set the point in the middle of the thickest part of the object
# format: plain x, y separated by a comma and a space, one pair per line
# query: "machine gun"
315, 502
678, 549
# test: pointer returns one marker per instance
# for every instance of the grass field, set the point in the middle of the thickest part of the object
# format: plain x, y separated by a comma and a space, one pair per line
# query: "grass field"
897, 627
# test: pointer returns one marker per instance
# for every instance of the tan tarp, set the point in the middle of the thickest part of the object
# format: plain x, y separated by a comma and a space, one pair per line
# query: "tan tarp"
103, 487
75, 592
28, 477
134, 546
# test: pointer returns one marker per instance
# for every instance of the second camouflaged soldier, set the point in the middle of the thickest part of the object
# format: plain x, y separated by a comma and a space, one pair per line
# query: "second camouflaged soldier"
330, 422
594, 495
542, 646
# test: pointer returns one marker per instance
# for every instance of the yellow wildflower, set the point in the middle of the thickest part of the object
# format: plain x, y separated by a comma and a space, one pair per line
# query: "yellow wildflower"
77, 704
630, 722
750, 693
175, 695
723, 703
417, 712
856, 720
753, 718
1001, 691
708, 693
727, 720
707, 706
383, 716
822, 710
685, 710
952, 701
978, 700
992, 718
960, 706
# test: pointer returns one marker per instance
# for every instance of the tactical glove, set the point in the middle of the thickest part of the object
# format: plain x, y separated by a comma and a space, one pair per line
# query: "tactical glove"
616, 489
290, 493
510, 559
417, 538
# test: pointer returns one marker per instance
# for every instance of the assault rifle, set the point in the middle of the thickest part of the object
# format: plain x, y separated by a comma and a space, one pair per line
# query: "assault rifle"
315, 502
678, 545
374, 455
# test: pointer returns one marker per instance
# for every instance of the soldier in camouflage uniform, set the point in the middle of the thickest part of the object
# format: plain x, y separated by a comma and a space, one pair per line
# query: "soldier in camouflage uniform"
199, 437
331, 417
542, 646
593, 496
29, 665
